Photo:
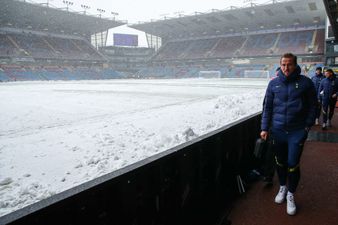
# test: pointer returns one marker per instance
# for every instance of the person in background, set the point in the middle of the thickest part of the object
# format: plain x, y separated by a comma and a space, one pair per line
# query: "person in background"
288, 114
277, 71
316, 79
328, 91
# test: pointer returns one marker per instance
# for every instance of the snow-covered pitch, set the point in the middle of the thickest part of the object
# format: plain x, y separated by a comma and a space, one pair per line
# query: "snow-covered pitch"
56, 135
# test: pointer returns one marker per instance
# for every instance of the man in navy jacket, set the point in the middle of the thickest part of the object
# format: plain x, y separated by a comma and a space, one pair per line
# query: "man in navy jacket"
316, 79
328, 91
289, 112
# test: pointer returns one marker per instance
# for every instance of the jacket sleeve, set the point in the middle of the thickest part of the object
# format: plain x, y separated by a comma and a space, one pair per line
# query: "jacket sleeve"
267, 109
313, 79
320, 90
312, 104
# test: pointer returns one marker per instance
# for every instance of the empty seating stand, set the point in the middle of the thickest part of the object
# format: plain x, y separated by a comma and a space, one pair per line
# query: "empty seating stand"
227, 47
3, 76
19, 73
267, 44
36, 46
260, 45
297, 42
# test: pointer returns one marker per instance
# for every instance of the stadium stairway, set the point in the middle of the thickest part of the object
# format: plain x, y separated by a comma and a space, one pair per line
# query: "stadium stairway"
316, 197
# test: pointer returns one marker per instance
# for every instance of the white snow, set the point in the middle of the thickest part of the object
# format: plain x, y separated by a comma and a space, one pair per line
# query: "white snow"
56, 135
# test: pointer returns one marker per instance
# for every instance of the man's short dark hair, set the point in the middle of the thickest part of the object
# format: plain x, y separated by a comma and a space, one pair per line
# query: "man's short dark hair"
319, 68
289, 55
329, 70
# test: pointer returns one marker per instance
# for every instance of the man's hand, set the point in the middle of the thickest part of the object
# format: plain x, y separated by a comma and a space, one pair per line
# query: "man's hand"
264, 135
334, 95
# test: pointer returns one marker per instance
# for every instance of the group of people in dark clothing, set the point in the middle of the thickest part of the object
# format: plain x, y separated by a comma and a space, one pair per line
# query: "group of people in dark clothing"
292, 105
327, 90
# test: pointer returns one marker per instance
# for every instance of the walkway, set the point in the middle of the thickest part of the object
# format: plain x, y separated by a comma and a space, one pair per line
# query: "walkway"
317, 193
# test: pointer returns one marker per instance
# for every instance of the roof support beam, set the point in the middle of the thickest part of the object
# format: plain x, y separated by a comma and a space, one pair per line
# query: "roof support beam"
331, 7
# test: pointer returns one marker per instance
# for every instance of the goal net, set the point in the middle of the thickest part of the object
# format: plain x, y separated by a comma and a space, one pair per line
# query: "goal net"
256, 74
209, 74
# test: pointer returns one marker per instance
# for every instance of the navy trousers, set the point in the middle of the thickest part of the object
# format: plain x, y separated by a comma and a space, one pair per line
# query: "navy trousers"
328, 109
318, 109
288, 146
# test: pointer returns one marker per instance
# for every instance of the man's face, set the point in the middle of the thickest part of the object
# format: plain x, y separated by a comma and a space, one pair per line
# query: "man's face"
318, 72
328, 74
287, 66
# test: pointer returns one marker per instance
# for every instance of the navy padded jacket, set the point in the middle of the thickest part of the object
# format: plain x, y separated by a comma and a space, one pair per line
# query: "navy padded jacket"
316, 79
290, 102
329, 86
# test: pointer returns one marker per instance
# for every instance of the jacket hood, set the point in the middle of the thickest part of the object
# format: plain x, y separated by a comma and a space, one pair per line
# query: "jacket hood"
291, 77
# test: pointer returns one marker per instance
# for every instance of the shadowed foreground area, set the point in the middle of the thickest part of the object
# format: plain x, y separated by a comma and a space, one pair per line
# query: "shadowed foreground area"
316, 196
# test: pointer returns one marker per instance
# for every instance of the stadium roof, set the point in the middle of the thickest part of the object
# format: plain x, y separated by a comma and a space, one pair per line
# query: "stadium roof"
24, 15
332, 12
272, 15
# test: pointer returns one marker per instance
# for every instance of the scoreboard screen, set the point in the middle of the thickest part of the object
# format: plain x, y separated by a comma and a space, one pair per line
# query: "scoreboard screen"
125, 40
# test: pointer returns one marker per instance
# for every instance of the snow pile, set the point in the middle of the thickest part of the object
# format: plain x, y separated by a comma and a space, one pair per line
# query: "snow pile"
56, 135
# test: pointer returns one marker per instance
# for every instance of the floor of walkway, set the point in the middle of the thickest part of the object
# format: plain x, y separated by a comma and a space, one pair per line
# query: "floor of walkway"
317, 193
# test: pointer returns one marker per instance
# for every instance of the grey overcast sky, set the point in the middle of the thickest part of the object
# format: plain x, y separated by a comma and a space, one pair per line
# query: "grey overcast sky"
145, 10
